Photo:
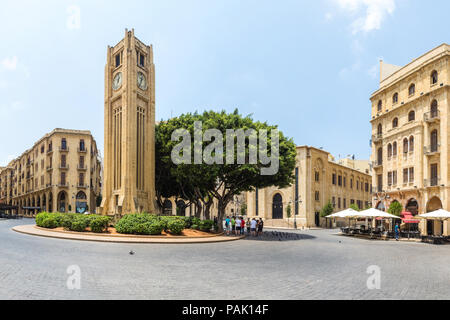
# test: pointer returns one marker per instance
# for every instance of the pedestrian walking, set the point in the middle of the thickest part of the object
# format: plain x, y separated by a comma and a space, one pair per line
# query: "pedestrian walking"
253, 224
260, 226
242, 226
248, 226
397, 232
238, 226
233, 225
228, 225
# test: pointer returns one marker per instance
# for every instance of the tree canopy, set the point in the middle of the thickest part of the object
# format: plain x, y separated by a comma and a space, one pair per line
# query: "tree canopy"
229, 175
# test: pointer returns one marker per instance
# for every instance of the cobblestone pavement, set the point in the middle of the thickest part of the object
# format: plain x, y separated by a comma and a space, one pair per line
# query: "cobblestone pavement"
311, 265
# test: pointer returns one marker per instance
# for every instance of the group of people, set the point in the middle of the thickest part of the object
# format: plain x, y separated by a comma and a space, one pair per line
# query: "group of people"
238, 226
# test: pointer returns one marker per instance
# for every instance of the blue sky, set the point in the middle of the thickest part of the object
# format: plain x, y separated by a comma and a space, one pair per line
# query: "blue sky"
308, 66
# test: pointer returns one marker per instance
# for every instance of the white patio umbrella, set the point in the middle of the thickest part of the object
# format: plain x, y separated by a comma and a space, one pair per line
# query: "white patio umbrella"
436, 215
375, 213
343, 214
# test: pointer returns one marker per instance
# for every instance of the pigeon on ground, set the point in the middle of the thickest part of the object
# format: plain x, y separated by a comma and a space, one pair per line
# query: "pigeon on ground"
131, 252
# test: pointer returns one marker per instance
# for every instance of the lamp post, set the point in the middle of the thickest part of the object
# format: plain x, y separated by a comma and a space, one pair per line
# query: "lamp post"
299, 201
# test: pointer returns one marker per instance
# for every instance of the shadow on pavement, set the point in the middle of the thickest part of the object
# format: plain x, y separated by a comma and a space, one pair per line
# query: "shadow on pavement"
279, 236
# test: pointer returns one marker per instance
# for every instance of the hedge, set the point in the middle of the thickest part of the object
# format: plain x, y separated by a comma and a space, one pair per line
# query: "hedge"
138, 223
72, 221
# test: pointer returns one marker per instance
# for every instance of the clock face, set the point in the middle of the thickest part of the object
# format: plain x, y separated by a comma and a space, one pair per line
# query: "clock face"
117, 82
141, 81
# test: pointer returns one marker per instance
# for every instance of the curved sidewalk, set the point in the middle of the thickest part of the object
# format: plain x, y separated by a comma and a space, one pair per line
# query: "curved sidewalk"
83, 236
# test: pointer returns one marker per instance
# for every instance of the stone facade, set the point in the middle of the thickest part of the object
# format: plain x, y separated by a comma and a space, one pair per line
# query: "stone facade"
129, 162
61, 172
319, 179
410, 136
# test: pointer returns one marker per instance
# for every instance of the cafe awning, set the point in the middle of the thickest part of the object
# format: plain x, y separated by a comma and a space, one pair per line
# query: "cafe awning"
408, 218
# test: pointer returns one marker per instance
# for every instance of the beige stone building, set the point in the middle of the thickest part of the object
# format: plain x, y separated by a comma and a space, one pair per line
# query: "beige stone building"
129, 159
318, 180
410, 136
61, 172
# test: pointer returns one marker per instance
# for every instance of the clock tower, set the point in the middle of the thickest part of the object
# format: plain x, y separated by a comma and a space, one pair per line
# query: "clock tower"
129, 159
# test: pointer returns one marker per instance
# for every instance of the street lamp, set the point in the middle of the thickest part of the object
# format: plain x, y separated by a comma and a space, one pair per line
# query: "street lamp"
297, 200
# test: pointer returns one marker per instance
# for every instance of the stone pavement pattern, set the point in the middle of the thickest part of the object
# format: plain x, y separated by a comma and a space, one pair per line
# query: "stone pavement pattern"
319, 265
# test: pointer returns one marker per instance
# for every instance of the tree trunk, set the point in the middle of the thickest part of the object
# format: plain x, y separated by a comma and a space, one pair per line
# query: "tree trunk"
221, 214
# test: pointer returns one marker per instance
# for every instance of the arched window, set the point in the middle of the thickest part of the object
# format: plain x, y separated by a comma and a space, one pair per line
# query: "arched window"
395, 98
380, 129
411, 116
405, 145
412, 89
394, 149
434, 77
411, 144
395, 123
380, 105
434, 109
81, 196
389, 148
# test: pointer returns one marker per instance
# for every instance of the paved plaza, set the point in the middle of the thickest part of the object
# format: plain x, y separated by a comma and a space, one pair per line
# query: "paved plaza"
314, 264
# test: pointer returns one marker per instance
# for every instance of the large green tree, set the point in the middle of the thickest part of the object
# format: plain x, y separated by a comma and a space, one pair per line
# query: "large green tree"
201, 182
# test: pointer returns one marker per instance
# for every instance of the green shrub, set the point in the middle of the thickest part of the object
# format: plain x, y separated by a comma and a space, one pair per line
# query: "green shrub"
48, 220
79, 223
195, 227
149, 228
66, 220
99, 224
129, 223
206, 225
176, 226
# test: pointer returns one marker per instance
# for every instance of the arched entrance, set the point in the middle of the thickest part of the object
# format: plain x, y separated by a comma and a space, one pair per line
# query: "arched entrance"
50, 202
434, 204
277, 207
81, 203
413, 207
44, 203
181, 208
167, 208
62, 202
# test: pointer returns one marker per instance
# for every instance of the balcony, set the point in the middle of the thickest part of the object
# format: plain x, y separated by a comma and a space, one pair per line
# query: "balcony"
433, 182
63, 185
82, 167
49, 168
63, 149
82, 150
82, 186
377, 138
377, 164
432, 150
49, 151
431, 117
64, 166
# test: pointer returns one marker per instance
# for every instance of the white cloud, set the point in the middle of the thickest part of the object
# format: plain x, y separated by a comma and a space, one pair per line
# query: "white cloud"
10, 63
368, 14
